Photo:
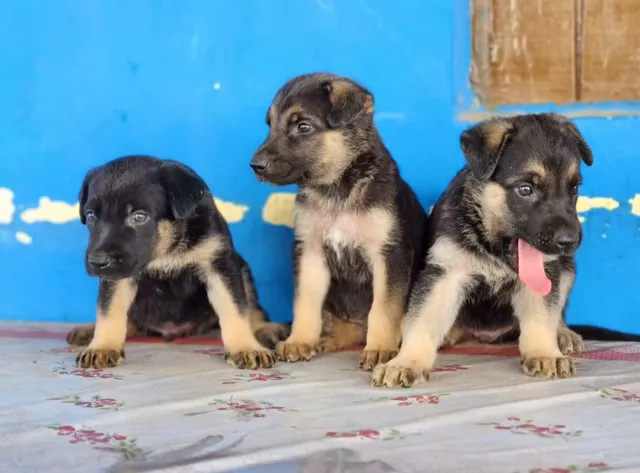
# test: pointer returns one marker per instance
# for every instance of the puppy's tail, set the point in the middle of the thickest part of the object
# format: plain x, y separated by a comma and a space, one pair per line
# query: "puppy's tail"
592, 332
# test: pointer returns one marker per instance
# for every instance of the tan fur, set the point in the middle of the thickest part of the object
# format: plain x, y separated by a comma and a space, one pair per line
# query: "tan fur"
83, 334
339, 334
495, 213
204, 252
538, 169
495, 133
312, 284
106, 347
333, 157
340, 91
166, 237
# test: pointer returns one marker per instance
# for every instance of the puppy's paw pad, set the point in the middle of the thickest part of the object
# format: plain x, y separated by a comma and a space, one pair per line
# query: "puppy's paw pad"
99, 358
251, 359
270, 334
392, 375
80, 336
291, 351
548, 367
570, 342
369, 359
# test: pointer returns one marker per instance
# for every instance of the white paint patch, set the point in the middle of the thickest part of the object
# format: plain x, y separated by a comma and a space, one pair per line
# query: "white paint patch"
51, 211
278, 209
7, 207
216, 86
231, 212
23, 238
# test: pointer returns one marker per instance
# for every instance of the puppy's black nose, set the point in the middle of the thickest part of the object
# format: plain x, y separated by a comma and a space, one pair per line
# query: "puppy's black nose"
567, 240
99, 260
259, 164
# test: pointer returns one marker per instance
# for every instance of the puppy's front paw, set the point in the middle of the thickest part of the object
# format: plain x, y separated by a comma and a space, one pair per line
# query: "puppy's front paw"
369, 359
81, 335
271, 333
569, 341
399, 374
548, 367
251, 359
99, 358
293, 351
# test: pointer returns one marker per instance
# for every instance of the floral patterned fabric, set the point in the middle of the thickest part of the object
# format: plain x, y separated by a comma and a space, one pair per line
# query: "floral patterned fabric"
177, 407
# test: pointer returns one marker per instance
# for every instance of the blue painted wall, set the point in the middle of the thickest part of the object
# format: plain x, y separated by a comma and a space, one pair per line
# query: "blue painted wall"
84, 82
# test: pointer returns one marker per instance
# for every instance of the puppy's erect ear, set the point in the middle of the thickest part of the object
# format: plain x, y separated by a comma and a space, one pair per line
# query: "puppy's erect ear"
569, 127
183, 186
482, 145
348, 101
84, 194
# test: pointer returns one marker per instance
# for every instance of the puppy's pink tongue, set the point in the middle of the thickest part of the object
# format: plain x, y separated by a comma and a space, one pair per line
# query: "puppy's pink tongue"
531, 269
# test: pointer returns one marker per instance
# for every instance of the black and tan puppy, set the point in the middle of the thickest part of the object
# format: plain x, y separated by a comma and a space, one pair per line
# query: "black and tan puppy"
359, 228
167, 265
501, 243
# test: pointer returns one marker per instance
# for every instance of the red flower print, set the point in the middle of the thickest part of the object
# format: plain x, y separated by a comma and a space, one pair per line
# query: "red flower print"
615, 394
247, 408
368, 434
63, 370
450, 368
527, 427
418, 399
95, 402
100, 440
261, 377
591, 467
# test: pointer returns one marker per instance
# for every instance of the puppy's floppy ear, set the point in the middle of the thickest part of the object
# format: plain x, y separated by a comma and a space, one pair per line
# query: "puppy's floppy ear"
569, 127
183, 186
348, 101
84, 194
482, 145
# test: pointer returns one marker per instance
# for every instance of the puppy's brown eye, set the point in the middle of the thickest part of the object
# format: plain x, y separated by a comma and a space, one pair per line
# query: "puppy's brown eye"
139, 217
90, 217
524, 190
304, 127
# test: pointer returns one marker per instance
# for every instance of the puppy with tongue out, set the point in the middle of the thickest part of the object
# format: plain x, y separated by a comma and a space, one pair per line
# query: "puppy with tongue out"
501, 242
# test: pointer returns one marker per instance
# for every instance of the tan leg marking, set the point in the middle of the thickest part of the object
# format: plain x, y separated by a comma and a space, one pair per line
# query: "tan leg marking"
539, 325
242, 349
384, 319
455, 336
106, 349
82, 335
339, 334
426, 325
311, 289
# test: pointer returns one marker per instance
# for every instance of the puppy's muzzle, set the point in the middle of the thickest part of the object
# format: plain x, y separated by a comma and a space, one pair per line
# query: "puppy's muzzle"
566, 240
270, 167
101, 260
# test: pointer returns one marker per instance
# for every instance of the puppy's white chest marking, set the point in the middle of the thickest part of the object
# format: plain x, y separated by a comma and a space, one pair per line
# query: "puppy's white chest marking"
338, 230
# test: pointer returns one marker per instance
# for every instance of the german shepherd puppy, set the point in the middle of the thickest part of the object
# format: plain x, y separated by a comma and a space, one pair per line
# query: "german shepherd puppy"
359, 228
167, 265
501, 242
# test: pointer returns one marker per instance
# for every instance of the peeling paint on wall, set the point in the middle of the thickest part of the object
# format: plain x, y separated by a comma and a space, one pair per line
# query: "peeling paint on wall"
7, 207
635, 205
278, 209
586, 204
23, 238
51, 211
231, 212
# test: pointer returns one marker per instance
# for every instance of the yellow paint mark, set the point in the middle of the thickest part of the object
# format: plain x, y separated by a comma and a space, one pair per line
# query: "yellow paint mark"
23, 238
7, 207
589, 203
231, 212
278, 209
635, 205
51, 211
